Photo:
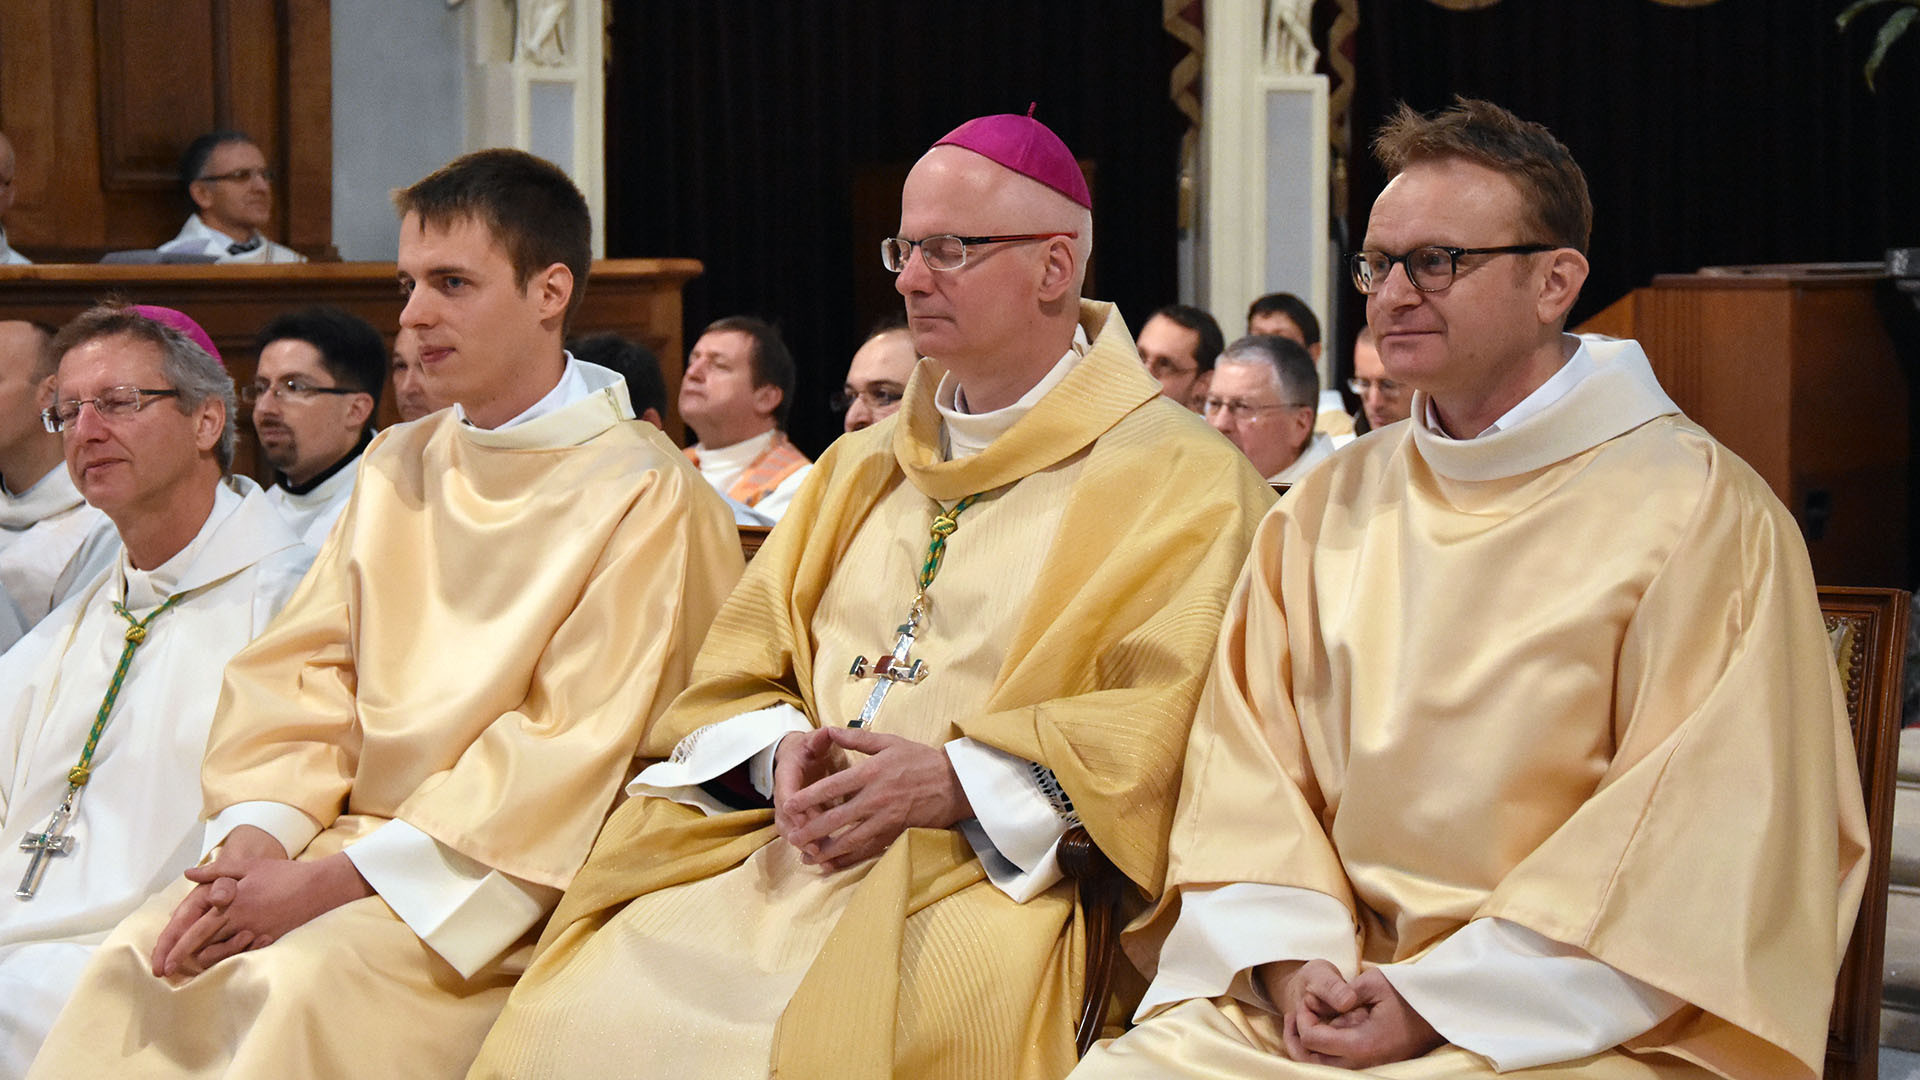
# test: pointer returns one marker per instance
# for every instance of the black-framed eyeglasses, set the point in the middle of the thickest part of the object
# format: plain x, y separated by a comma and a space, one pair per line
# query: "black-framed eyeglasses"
1242, 411
876, 397
945, 252
1431, 268
239, 176
289, 388
113, 402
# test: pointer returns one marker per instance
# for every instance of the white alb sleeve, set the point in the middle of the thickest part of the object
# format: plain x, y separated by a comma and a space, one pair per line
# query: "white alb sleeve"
719, 748
289, 825
1520, 999
1019, 815
462, 908
1223, 932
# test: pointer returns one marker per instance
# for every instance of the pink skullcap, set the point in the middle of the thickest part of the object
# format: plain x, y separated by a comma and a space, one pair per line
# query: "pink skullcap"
1026, 146
184, 323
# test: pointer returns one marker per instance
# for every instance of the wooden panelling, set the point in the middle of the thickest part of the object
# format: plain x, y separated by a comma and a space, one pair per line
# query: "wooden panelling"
153, 101
639, 298
100, 97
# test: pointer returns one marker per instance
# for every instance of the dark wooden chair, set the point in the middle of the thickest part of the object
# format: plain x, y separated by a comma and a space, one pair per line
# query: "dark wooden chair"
1868, 628
1102, 889
751, 537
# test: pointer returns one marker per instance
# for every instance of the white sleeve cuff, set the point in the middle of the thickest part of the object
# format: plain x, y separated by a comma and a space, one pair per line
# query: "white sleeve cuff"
1520, 999
291, 826
1226, 931
463, 909
1016, 826
717, 749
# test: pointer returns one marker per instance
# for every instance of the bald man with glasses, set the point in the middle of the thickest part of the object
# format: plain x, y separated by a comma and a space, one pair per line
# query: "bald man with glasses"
1383, 400
980, 623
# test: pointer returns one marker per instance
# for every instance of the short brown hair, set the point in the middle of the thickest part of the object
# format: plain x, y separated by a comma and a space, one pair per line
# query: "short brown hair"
532, 208
1550, 181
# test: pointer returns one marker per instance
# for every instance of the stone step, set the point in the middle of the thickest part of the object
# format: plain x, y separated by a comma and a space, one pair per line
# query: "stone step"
1902, 988
1905, 869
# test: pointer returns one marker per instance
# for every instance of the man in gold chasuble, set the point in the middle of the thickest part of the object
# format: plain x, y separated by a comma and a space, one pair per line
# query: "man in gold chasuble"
1523, 746
409, 766
984, 619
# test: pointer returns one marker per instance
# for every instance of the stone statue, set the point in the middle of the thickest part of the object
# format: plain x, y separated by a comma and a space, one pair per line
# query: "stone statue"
1290, 37
541, 38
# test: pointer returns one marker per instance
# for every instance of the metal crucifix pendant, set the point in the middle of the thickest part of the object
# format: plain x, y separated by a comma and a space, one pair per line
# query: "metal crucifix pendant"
44, 845
892, 668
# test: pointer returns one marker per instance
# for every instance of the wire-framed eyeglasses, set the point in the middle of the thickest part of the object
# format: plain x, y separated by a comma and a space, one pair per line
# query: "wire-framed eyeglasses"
1243, 411
238, 176
289, 388
1431, 268
114, 402
947, 252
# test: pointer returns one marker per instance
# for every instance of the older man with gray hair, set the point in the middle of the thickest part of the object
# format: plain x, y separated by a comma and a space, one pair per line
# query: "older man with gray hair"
105, 706
1263, 398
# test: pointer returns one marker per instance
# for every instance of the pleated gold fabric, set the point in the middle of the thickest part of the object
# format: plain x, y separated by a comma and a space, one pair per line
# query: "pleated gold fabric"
1224, 1040
924, 968
1576, 679
491, 626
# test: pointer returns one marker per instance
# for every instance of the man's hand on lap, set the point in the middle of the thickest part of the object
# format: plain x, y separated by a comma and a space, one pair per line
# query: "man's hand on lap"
1382, 1028
901, 785
250, 904
801, 759
1307, 996
243, 846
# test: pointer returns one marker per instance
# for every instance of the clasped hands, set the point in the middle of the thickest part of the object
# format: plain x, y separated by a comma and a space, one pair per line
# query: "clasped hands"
1328, 1019
249, 896
839, 812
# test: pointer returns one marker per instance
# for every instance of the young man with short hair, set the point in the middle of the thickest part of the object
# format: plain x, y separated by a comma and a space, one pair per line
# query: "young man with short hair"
408, 768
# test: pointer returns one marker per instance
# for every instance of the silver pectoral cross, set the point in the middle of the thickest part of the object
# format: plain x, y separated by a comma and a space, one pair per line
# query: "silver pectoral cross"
892, 668
44, 845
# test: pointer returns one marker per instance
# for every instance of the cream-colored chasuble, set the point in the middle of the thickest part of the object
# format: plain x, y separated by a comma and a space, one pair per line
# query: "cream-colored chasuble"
1572, 675
492, 624
1068, 626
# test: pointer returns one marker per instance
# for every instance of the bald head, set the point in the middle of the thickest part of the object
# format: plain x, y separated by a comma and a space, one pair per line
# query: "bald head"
27, 451
1014, 203
1000, 321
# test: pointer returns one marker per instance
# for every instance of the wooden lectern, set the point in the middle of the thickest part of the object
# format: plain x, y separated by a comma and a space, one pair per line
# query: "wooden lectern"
1792, 368
639, 298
